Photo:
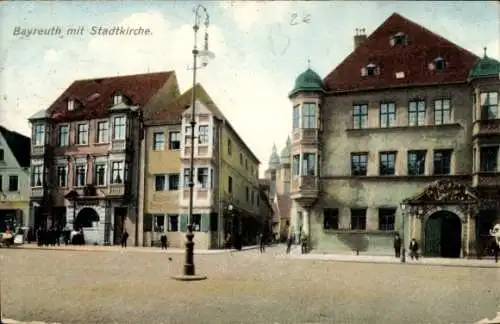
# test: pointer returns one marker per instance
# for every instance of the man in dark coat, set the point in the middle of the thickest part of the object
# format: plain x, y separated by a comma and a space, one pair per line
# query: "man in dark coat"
262, 243
124, 239
413, 249
163, 240
397, 245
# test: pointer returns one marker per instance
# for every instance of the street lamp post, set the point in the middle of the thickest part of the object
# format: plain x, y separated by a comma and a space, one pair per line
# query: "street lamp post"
189, 267
403, 252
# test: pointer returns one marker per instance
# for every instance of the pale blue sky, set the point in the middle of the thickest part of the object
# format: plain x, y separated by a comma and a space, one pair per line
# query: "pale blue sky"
258, 53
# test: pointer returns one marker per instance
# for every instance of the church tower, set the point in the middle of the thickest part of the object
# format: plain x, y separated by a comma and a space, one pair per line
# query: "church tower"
271, 172
283, 173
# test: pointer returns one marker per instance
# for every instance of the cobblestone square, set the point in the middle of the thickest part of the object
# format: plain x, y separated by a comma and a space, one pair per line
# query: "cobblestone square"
242, 287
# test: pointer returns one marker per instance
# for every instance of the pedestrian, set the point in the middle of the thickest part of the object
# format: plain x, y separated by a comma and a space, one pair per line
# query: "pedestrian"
262, 243
289, 243
397, 245
413, 249
124, 239
163, 240
39, 236
303, 243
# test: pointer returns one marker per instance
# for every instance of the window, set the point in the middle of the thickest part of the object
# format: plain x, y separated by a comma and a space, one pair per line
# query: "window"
442, 162
119, 128
230, 184
71, 105
296, 164
386, 219
399, 39
187, 133
489, 105
359, 116
371, 69
37, 176
13, 183
359, 164
387, 163
330, 219
308, 164
63, 135
229, 147
309, 115
387, 115
203, 134
273, 175
488, 158
358, 219
241, 159
296, 117
174, 140
158, 223
39, 135
173, 181
61, 175
82, 134
80, 175
442, 112
2, 155
253, 197
196, 222
117, 99
416, 113
416, 162
173, 223
439, 64
160, 182
158, 141
203, 178
246, 164
117, 171
247, 193
186, 178
102, 132
100, 174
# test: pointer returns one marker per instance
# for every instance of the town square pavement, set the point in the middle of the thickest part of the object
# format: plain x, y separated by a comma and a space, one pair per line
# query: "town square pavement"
73, 287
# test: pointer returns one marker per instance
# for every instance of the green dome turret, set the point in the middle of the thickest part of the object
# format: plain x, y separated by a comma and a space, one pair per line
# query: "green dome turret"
308, 81
485, 67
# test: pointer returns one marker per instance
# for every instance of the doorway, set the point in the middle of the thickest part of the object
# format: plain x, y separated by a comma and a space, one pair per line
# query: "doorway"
443, 235
120, 213
86, 218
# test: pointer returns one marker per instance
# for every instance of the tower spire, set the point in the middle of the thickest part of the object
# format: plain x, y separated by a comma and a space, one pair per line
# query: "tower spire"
309, 63
485, 49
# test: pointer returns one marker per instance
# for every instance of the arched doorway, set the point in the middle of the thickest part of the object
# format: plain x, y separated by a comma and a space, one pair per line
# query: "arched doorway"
86, 217
443, 235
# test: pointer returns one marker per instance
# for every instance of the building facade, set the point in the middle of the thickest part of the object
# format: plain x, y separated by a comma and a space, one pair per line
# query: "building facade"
226, 192
14, 179
85, 153
402, 136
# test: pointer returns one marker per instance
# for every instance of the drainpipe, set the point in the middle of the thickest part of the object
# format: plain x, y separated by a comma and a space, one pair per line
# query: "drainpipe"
220, 234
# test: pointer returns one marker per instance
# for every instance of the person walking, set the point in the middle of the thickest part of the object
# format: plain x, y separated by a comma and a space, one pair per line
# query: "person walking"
289, 243
413, 249
303, 243
124, 239
397, 245
163, 240
262, 243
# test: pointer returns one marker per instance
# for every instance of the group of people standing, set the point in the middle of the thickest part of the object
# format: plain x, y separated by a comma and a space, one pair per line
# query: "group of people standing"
53, 236
413, 247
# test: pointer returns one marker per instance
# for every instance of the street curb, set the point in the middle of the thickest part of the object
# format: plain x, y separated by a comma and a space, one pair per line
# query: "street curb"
485, 266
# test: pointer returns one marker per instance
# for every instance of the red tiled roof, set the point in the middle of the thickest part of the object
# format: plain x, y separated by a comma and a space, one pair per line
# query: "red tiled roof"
413, 59
139, 88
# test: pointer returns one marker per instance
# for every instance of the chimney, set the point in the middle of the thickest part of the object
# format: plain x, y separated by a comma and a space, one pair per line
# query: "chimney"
359, 37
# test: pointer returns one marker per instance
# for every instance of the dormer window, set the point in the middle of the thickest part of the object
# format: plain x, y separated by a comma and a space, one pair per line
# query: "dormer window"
71, 104
439, 64
117, 98
370, 69
399, 39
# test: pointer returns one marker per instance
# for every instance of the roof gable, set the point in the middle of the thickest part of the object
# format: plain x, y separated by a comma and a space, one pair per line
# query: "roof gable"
413, 59
444, 191
18, 145
96, 95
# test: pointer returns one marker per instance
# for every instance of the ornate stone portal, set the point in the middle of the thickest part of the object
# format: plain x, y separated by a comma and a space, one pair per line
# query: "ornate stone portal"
448, 196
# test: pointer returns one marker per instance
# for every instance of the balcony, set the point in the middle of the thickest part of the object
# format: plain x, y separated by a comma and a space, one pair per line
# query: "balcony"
305, 189
37, 192
486, 127
305, 136
116, 190
200, 151
486, 179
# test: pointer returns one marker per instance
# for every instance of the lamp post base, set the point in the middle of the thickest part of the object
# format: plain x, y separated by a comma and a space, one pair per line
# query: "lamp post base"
189, 268
189, 278
403, 256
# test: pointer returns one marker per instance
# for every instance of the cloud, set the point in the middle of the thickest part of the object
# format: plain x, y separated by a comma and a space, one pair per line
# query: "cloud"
52, 56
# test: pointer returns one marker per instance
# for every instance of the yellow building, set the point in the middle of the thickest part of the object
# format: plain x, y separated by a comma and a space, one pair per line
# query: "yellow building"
226, 198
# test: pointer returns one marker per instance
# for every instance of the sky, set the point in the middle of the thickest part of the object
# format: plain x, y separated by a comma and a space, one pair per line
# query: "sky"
260, 48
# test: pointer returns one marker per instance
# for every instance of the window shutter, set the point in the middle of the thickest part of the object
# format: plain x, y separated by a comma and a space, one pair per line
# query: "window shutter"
183, 218
205, 222
364, 72
431, 66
